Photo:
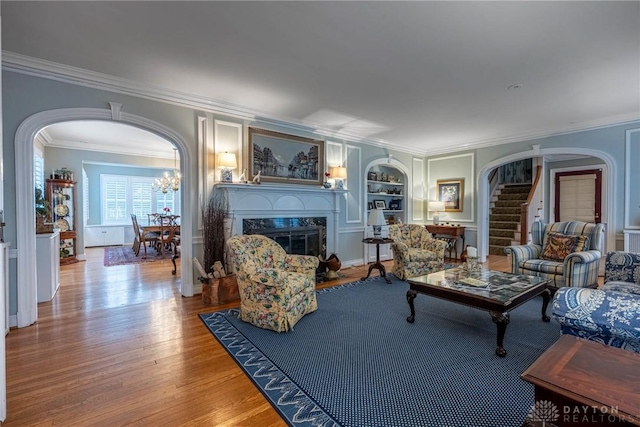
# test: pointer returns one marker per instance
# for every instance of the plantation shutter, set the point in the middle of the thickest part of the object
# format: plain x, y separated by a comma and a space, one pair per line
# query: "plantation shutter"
114, 190
576, 198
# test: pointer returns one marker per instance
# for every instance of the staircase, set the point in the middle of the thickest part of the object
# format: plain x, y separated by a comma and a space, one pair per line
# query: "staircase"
504, 217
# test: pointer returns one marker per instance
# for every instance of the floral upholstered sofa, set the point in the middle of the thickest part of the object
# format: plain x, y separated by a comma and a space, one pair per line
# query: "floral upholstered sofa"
611, 314
415, 250
276, 289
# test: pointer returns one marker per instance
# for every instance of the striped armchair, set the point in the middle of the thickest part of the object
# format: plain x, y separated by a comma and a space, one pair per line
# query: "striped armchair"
568, 253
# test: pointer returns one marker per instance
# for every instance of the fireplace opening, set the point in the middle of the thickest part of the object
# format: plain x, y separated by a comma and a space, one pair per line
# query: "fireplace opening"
299, 235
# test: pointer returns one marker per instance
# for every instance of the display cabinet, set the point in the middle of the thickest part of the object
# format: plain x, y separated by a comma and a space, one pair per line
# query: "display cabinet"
61, 194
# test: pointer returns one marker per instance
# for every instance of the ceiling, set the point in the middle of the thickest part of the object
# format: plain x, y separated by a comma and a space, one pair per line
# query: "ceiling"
425, 77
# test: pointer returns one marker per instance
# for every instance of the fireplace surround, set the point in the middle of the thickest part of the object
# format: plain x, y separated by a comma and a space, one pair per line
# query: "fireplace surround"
289, 212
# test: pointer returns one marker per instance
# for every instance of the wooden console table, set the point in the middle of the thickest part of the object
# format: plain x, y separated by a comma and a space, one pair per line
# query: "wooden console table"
454, 231
590, 384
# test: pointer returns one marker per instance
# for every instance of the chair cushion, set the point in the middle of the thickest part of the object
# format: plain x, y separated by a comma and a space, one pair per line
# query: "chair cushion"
558, 246
543, 266
626, 287
414, 255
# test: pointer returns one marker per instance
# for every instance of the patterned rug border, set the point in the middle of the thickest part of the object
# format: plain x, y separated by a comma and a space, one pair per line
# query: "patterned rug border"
294, 405
152, 256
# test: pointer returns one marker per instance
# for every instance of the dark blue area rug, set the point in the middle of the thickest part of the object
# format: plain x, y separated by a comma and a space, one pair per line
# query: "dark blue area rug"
356, 361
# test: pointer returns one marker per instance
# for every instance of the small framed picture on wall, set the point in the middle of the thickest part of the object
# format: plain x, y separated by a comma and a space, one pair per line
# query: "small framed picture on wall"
451, 192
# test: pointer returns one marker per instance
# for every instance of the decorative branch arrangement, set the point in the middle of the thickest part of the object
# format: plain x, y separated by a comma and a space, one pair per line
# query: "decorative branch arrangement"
213, 217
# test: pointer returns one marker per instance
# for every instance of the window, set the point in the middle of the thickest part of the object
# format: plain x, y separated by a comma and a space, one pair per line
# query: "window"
38, 170
123, 195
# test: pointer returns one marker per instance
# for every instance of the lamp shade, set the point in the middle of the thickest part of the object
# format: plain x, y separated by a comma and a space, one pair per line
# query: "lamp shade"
227, 161
436, 206
376, 217
338, 172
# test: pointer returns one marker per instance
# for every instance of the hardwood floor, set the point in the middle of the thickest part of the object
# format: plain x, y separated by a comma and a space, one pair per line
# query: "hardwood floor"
120, 346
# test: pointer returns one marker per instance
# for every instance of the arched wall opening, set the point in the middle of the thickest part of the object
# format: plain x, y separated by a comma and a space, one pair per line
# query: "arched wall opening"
25, 213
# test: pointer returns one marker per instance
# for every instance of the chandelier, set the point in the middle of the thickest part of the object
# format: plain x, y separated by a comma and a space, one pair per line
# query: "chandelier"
167, 182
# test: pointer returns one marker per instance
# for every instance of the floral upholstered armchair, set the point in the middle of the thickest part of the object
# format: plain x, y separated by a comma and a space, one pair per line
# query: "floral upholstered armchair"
276, 289
415, 250
568, 253
611, 314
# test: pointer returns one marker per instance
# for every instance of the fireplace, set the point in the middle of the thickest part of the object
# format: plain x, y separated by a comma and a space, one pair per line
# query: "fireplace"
302, 218
297, 235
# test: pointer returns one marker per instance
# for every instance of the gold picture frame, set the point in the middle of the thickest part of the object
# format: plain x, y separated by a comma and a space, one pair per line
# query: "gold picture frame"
285, 158
451, 192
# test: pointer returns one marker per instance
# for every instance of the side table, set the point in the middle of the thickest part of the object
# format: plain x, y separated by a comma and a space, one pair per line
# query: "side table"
587, 383
455, 231
377, 264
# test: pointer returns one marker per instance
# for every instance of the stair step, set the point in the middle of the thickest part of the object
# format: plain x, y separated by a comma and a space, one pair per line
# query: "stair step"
503, 225
505, 217
497, 232
508, 203
513, 196
510, 210
500, 241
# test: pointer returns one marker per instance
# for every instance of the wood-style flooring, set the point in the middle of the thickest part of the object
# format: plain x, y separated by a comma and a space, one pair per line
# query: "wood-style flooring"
120, 346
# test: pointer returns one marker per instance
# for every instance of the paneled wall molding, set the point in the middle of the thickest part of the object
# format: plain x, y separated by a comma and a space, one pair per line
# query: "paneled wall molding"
25, 215
353, 156
631, 179
467, 171
418, 193
204, 183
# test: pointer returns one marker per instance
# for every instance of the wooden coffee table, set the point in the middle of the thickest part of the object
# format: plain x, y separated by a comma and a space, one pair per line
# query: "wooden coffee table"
493, 291
585, 383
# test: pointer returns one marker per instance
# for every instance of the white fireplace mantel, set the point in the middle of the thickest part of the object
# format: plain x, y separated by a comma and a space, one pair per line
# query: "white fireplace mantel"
247, 201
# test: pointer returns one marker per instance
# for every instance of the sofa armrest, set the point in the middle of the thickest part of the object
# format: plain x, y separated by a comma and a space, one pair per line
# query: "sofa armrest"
400, 249
581, 269
594, 313
300, 263
520, 253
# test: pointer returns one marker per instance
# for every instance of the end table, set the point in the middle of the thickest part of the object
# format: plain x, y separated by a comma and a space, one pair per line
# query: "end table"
377, 264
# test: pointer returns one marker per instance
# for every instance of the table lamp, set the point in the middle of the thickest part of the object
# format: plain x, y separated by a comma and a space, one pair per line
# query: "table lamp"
376, 220
338, 173
437, 207
227, 162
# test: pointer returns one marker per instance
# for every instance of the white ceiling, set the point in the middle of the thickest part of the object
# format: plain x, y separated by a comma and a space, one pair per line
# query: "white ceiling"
427, 77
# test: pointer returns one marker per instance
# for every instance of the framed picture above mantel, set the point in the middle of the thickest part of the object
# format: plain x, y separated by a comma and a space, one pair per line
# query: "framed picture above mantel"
283, 158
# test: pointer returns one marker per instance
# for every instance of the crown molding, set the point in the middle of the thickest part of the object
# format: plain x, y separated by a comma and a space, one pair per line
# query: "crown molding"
23, 64
41, 68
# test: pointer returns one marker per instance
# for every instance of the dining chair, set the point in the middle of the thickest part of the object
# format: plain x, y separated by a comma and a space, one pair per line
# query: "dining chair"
142, 237
170, 232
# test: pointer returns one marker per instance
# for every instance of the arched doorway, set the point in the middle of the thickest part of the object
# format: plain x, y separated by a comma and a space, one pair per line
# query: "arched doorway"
25, 214
609, 174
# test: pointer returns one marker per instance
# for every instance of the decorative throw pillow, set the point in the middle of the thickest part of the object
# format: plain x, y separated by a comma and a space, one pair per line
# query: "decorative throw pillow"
558, 246
582, 244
